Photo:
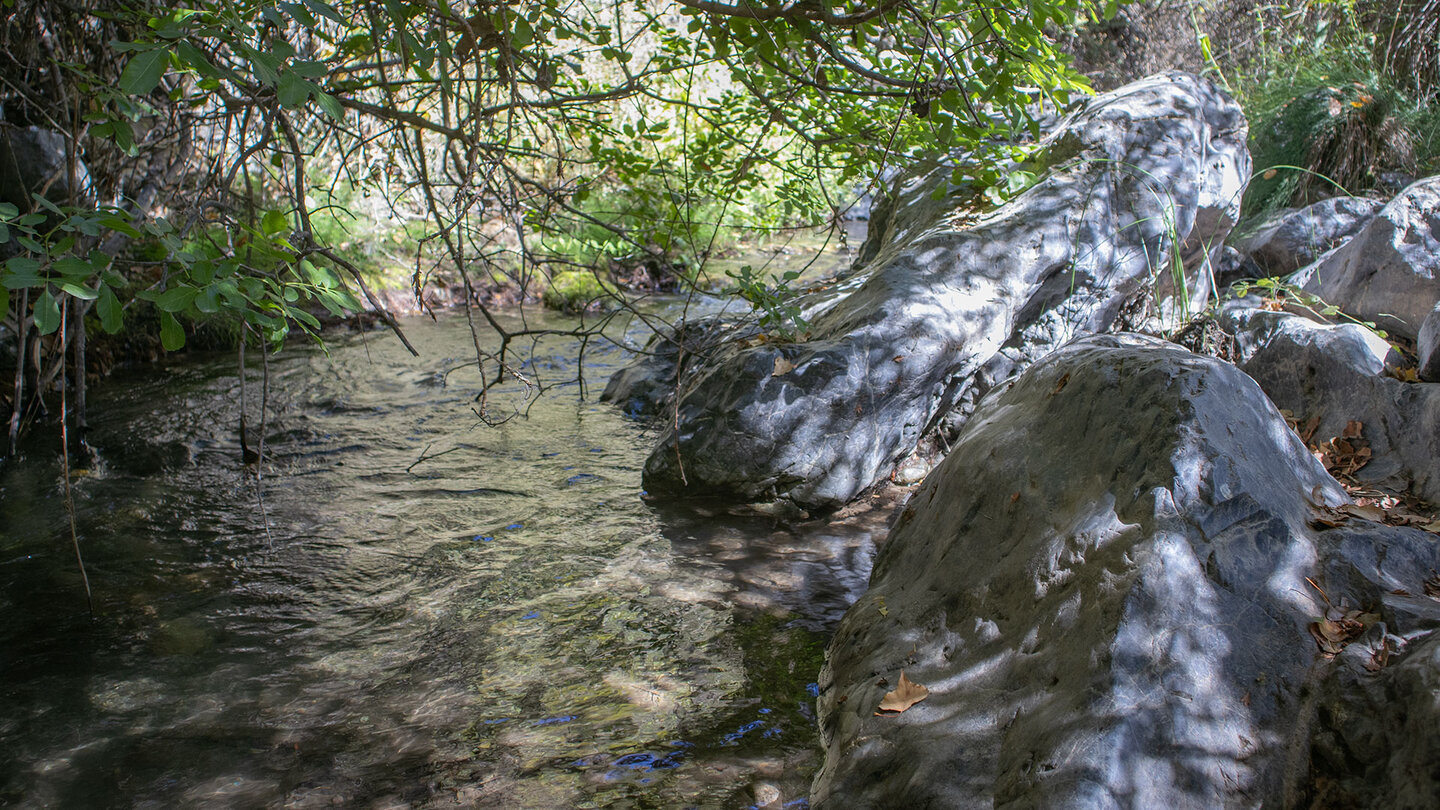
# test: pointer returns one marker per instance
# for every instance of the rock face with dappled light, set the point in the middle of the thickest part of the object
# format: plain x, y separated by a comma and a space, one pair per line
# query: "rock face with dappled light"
1336, 374
943, 309
1288, 240
1389, 272
1104, 590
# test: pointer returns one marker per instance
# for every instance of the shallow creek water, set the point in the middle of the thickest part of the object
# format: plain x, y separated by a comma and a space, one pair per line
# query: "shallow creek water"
506, 623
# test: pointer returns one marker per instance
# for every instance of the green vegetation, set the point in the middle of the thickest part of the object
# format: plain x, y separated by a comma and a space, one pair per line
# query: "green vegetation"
1329, 114
260, 164
578, 291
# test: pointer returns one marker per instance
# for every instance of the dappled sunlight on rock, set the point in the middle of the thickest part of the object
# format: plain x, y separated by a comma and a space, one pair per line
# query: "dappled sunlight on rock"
1106, 588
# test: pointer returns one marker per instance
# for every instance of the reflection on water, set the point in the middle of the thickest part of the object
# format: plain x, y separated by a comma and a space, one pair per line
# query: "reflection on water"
506, 623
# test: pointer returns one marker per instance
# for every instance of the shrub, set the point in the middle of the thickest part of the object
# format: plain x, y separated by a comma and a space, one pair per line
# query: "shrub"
577, 291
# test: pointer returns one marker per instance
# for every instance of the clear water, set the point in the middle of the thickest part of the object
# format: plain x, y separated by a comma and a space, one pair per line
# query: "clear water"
505, 624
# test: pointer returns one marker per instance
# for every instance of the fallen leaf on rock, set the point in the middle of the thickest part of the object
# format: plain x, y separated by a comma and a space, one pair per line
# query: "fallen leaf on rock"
782, 366
1060, 385
1353, 429
906, 694
1331, 635
1410, 375
1373, 513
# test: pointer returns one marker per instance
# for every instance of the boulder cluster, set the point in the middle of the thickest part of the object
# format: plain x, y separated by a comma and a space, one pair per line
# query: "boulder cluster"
1134, 573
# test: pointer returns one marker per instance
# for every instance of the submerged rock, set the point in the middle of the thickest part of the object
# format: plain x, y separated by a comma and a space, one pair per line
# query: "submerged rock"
1336, 373
1104, 589
1389, 273
941, 311
1288, 240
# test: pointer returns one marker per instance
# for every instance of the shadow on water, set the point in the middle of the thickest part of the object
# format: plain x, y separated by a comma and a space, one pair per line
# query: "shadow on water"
508, 624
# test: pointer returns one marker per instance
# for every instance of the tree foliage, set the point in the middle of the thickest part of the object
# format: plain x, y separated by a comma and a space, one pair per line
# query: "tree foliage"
228, 139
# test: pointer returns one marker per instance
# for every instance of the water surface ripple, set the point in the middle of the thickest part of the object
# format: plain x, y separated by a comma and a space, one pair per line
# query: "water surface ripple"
506, 623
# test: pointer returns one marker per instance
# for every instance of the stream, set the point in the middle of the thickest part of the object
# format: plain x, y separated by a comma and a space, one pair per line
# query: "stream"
418, 610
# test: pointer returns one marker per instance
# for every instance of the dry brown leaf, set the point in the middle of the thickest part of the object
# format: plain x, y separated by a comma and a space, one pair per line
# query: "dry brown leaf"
906, 694
1060, 385
1432, 526
782, 366
1353, 429
1373, 513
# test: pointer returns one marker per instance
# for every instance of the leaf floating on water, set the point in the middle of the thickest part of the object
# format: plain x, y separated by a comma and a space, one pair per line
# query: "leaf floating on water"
782, 366
906, 694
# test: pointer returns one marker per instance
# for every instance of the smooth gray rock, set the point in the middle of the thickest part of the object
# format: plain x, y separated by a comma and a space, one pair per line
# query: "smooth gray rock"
643, 388
1335, 372
1129, 175
1103, 587
1427, 346
1288, 240
1388, 273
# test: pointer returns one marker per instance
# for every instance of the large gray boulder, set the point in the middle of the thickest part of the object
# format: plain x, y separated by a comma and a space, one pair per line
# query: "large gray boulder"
1335, 372
1104, 589
1288, 240
1388, 273
1132, 180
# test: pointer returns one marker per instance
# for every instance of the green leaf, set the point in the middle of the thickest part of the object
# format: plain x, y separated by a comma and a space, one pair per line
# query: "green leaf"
8, 210
172, 335
299, 14
196, 60
108, 307
21, 272
308, 68
330, 105
208, 301
142, 73
73, 266
79, 291
292, 90
47, 313
274, 222
325, 10
5, 300
175, 299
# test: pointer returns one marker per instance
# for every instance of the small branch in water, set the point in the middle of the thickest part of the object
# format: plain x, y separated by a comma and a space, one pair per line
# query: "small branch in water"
260, 442
21, 331
65, 459
424, 458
